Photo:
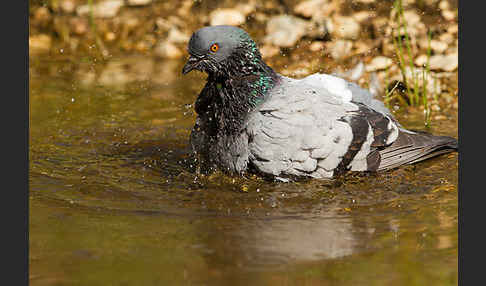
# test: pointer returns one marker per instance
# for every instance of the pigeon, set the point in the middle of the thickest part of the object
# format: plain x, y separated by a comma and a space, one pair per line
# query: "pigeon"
251, 119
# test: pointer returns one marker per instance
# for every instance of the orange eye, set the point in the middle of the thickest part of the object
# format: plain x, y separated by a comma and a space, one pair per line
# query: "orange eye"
214, 47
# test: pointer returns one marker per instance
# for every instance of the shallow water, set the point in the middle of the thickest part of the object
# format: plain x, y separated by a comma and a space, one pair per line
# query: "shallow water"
114, 199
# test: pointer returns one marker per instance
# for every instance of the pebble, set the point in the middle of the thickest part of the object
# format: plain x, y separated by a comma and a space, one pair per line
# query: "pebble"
298, 72
67, 6
340, 49
379, 63
162, 24
448, 62
316, 46
412, 18
285, 30
431, 2
42, 15
110, 36
444, 5
346, 28
167, 50
421, 60
415, 27
269, 51
381, 24
79, 25
414, 23
364, 48
260, 17
363, 16
130, 22
138, 2
455, 105
453, 49
448, 15
453, 29
177, 21
447, 38
246, 8
105, 9
310, 7
142, 46
438, 46
39, 43
226, 16
178, 37
354, 73
185, 8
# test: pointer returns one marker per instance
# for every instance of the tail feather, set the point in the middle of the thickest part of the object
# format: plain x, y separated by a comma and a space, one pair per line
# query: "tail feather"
413, 147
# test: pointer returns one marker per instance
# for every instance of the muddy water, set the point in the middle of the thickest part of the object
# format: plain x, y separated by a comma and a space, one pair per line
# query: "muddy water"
114, 199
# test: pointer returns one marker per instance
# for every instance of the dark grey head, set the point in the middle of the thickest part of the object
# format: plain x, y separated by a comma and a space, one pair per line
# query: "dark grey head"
211, 47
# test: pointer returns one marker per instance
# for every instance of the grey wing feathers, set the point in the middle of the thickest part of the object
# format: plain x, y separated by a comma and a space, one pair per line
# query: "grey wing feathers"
297, 132
347, 90
371, 129
412, 147
392, 146
405, 147
304, 130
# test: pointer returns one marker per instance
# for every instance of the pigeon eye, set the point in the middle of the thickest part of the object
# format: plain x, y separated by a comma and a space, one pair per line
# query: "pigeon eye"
214, 48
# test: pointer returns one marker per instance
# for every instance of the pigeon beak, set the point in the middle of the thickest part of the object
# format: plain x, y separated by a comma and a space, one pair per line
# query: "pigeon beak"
190, 64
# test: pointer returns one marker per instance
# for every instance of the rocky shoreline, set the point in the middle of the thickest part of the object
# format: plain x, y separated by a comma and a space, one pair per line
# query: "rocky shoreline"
351, 38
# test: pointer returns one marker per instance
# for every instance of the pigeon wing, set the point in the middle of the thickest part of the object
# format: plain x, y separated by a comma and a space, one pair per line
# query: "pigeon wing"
299, 131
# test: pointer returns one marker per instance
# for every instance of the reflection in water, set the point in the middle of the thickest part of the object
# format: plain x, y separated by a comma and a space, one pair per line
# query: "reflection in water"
307, 239
256, 243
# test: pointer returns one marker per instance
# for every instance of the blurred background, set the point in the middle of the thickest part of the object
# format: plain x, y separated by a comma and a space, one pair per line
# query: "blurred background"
296, 37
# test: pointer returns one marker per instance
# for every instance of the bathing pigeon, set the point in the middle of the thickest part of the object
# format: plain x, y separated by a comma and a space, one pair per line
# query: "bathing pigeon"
252, 119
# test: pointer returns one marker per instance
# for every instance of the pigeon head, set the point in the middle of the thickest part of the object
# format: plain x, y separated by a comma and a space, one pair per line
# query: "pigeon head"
220, 50
238, 78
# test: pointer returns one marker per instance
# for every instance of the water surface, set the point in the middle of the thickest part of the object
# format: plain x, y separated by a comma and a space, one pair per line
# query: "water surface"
114, 199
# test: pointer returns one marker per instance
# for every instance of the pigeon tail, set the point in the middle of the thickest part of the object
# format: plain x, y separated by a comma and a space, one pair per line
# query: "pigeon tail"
412, 147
